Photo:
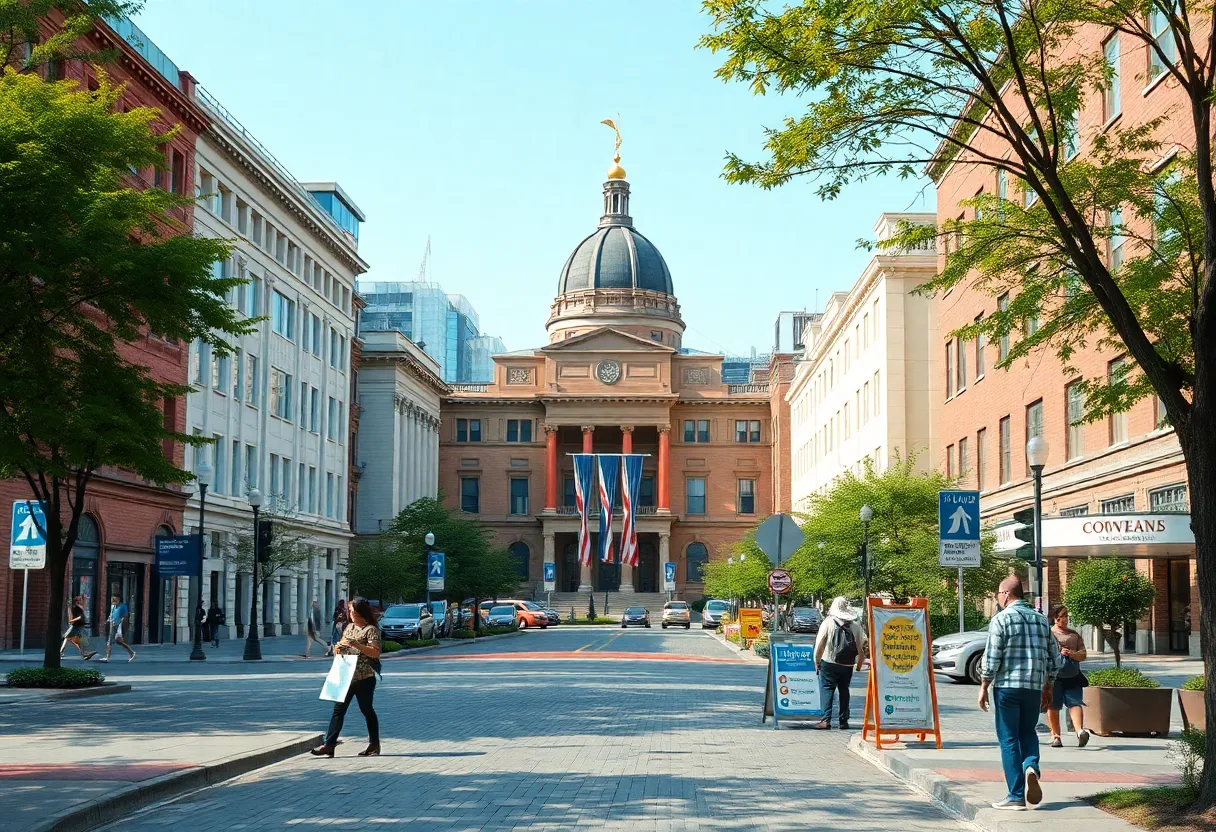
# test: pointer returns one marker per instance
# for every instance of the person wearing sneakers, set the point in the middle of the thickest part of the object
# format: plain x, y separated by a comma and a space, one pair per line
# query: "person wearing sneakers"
1069, 688
115, 625
839, 645
1021, 658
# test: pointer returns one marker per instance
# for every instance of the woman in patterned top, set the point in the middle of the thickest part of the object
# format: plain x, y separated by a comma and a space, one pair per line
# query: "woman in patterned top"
361, 637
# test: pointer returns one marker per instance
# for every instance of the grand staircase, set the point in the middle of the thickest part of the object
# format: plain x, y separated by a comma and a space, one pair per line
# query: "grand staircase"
617, 601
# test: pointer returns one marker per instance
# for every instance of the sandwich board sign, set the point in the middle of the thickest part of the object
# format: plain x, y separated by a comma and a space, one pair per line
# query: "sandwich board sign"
901, 695
792, 691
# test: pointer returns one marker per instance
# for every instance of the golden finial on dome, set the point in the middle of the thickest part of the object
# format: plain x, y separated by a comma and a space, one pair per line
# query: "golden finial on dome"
615, 171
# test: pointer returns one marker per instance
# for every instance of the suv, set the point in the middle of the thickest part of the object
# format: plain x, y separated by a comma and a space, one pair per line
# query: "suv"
712, 615
527, 613
407, 621
805, 620
676, 613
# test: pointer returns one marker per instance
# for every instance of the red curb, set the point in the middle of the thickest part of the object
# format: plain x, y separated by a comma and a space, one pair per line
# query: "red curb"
1050, 775
129, 772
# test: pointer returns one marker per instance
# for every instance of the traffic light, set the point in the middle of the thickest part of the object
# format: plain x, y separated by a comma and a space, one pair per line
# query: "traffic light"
862, 565
265, 539
1025, 531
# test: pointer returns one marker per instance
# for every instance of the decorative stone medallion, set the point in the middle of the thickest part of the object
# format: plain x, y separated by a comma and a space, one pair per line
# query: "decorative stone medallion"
696, 375
519, 375
609, 371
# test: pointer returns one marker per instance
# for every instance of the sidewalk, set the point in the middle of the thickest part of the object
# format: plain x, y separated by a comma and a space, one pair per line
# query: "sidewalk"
63, 781
274, 648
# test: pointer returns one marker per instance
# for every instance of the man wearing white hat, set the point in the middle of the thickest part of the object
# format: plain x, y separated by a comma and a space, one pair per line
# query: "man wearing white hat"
841, 643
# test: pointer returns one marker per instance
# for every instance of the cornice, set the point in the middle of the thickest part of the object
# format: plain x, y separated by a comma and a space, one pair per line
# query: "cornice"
134, 64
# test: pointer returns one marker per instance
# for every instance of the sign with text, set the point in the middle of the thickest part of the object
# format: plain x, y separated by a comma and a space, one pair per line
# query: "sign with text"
669, 576
902, 668
436, 567
958, 520
550, 577
27, 540
779, 581
177, 555
792, 691
751, 622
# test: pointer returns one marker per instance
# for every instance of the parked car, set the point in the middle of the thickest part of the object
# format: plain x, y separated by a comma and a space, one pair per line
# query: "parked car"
677, 614
551, 616
530, 614
805, 620
635, 617
501, 615
554, 616
711, 616
958, 655
406, 621
439, 611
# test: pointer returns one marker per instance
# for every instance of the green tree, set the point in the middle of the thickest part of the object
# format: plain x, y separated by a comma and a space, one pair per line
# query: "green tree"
903, 541
287, 551
899, 88
377, 570
743, 575
1107, 593
90, 263
22, 47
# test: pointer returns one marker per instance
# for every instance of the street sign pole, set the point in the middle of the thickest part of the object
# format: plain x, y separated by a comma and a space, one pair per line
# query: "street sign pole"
25, 594
961, 628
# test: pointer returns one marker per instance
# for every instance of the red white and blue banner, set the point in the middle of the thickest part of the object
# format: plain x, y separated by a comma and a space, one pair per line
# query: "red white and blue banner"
610, 467
584, 478
631, 486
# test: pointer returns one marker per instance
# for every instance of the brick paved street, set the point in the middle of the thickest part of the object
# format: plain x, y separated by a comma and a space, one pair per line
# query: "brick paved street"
534, 741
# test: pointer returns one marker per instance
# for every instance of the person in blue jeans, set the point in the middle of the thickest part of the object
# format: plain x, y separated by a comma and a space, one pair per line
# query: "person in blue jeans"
1021, 659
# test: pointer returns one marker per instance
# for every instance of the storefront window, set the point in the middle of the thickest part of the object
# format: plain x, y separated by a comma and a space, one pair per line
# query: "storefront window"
1169, 499
84, 568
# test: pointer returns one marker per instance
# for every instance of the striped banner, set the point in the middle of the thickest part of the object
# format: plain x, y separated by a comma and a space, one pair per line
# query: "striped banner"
609, 465
584, 476
631, 485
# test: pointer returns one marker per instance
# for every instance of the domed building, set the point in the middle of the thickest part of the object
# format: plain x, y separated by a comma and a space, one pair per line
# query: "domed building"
616, 378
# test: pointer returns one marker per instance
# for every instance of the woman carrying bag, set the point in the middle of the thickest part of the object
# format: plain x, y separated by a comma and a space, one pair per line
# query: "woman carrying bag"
361, 638
1070, 682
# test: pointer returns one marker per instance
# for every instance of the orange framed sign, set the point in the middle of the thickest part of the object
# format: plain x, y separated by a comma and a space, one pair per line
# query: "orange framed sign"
901, 695
751, 623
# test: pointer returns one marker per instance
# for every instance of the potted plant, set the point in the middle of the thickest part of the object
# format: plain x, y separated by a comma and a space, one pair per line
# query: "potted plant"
1190, 701
1104, 593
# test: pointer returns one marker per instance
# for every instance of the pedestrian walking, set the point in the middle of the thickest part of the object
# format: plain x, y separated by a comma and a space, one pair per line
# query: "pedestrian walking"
76, 630
314, 631
1069, 688
215, 618
839, 645
202, 622
361, 637
1021, 658
340, 620
115, 627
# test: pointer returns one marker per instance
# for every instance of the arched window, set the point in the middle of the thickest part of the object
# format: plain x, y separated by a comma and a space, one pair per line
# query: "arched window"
695, 559
521, 556
84, 563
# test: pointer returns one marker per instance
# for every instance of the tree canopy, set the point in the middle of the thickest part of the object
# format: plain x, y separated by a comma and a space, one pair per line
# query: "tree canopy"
1107, 593
743, 575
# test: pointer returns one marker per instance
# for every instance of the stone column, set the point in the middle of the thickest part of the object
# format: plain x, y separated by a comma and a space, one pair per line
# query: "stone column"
626, 439
661, 498
588, 430
626, 577
550, 472
664, 556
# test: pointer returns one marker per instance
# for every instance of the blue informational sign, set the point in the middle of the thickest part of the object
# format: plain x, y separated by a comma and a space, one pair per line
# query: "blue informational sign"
958, 520
27, 541
795, 684
550, 573
178, 555
436, 564
669, 576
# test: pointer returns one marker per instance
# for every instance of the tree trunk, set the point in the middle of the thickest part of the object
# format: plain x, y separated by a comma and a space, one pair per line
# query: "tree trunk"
1111, 635
56, 573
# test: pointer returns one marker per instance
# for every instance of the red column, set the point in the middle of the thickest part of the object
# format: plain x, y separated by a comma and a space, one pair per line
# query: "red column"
627, 439
587, 431
550, 467
664, 463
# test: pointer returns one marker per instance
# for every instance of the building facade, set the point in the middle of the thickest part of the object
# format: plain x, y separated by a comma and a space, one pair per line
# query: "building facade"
1114, 488
399, 396
865, 388
114, 552
278, 408
613, 378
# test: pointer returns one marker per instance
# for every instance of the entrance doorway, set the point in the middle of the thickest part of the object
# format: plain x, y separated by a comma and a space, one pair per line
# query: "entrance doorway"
1180, 606
647, 573
608, 576
567, 578
126, 580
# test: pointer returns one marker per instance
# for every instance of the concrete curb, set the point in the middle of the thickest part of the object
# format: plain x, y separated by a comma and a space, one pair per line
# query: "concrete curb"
447, 644
127, 800
745, 654
105, 689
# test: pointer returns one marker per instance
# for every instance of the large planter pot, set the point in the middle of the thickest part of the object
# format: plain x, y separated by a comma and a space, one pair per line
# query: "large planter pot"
1194, 715
1128, 710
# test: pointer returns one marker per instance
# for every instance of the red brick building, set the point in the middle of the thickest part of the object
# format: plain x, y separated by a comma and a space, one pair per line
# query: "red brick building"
616, 378
123, 514
1128, 469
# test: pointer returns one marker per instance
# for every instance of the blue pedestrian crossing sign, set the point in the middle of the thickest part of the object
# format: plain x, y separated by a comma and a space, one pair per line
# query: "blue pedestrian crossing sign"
550, 577
27, 539
669, 576
958, 520
436, 564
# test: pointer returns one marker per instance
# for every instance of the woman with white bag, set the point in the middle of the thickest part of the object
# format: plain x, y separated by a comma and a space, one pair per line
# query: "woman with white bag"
360, 638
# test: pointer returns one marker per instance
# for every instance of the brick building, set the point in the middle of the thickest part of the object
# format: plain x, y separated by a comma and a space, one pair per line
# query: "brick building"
615, 378
114, 553
1128, 468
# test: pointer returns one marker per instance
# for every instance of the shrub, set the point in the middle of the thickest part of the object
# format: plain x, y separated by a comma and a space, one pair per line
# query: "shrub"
389, 647
496, 631
760, 648
943, 624
1187, 754
1194, 683
419, 642
698, 605
1105, 592
60, 677
463, 633
1121, 677
600, 620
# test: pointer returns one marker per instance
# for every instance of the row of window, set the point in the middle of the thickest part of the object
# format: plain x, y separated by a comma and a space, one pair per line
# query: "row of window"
518, 430
866, 405
865, 332
235, 472
697, 430
745, 495
283, 322
1167, 499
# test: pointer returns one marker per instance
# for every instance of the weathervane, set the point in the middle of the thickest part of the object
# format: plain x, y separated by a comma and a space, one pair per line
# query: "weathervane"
616, 171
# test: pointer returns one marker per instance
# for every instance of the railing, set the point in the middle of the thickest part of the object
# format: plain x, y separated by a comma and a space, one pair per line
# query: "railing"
616, 511
468, 388
736, 389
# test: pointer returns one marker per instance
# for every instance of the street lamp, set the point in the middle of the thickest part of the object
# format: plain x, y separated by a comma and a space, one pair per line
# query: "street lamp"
866, 514
1036, 455
203, 475
429, 540
253, 648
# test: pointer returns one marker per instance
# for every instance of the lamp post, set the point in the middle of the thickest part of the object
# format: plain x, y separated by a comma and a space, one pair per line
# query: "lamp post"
253, 648
1036, 455
429, 540
742, 557
203, 475
730, 580
866, 515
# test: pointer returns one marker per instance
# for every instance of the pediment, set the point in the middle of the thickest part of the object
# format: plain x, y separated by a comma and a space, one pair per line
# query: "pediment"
607, 339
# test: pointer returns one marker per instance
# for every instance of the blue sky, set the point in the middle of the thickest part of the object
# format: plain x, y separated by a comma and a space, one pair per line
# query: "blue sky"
478, 123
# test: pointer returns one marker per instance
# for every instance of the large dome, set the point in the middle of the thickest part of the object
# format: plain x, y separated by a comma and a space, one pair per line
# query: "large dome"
615, 257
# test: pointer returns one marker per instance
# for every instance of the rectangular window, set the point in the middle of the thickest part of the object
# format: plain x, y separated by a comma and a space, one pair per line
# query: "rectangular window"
1005, 462
198, 360
314, 411
275, 485
949, 369
519, 430
569, 494
519, 495
1119, 505
690, 430
1002, 189
962, 457
301, 488
747, 497
847, 355
877, 395
1116, 372
1112, 99
470, 495
865, 401
740, 430
237, 369
1163, 38
1075, 511
329, 495
753, 430
981, 457
474, 430
221, 464
1115, 244
462, 430
1072, 136
979, 353
646, 492
217, 372
962, 365
865, 320
949, 462
696, 495
282, 315
1002, 304
1034, 424
280, 393
314, 495
331, 421
251, 467
251, 381
702, 430
235, 485
848, 423
1169, 499
1074, 440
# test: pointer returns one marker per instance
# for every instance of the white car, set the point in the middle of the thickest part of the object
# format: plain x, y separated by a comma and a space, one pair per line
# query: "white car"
959, 655
711, 616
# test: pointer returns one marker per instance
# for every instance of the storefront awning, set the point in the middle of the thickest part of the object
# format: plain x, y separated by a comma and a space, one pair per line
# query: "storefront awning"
1165, 535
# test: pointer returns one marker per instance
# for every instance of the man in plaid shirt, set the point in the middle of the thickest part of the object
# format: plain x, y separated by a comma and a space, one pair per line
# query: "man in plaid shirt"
1021, 659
